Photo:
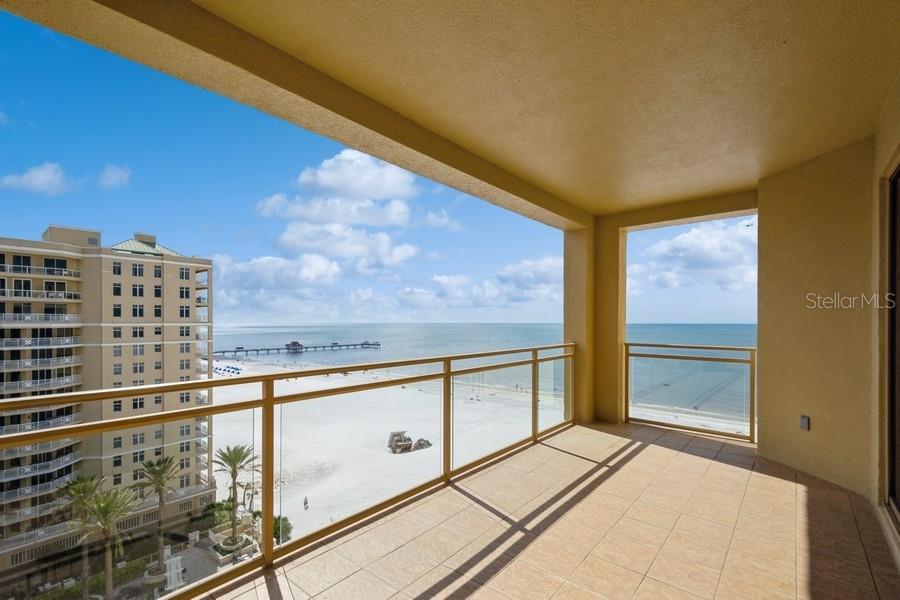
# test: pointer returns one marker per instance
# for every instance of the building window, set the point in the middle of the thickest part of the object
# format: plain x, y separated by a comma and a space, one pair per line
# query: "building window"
157, 365
117, 479
184, 447
158, 380
117, 350
157, 451
117, 332
157, 434
184, 397
137, 349
184, 481
137, 289
184, 364
184, 347
157, 400
137, 403
137, 332
137, 368
184, 274
137, 438
117, 268
137, 382
184, 463
117, 406
117, 310
117, 369
117, 289
184, 331
184, 430
117, 442
157, 330
137, 310
157, 347
117, 460
184, 378
137, 457
157, 310
157, 291
137, 474
184, 311
184, 292
157, 271
117, 384
137, 270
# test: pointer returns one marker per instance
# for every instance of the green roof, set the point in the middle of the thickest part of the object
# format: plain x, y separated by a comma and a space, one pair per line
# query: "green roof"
138, 247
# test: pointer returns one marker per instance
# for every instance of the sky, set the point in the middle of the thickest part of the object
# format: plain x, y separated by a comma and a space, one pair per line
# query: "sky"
302, 229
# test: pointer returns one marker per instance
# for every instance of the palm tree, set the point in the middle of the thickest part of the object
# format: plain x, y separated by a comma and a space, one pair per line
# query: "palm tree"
106, 510
80, 493
156, 477
233, 460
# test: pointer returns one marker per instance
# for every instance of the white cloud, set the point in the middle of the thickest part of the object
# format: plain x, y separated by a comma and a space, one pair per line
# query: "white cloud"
276, 272
113, 177
349, 211
369, 251
353, 174
714, 255
528, 281
442, 220
47, 178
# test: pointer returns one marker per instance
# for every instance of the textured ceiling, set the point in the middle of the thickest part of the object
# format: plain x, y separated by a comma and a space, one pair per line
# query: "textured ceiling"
612, 105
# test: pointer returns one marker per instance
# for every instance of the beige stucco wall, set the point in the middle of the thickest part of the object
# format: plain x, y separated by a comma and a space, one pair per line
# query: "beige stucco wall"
579, 310
816, 235
610, 259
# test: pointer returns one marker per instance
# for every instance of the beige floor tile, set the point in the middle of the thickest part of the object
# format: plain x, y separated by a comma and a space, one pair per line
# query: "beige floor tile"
650, 589
362, 585
639, 531
480, 562
440, 543
695, 549
692, 577
626, 552
606, 579
523, 581
569, 591
654, 515
441, 582
773, 576
714, 534
401, 567
556, 555
321, 572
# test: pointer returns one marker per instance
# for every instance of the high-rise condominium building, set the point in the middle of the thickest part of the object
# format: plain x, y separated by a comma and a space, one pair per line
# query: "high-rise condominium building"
77, 315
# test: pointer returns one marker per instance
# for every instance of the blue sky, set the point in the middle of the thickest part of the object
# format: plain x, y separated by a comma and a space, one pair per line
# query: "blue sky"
301, 229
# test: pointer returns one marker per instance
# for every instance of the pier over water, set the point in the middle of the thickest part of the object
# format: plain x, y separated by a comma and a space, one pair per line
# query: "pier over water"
298, 348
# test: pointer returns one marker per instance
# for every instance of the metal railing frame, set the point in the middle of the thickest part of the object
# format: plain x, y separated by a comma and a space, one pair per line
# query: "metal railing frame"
750, 361
268, 402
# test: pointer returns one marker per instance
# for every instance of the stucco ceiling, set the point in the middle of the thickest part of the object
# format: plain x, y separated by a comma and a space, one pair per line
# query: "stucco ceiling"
611, 105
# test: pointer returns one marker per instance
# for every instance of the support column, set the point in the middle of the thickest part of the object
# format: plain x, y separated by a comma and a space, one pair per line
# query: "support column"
578, 316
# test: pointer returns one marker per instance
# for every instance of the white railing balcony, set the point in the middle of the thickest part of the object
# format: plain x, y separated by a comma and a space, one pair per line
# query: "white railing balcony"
202, 398
35, 490
36, 425
40, 342
27, 385
39, 271
202, 301
28, 449
25, 364
39, 294
44, 534
44, 320
202, 447
23, 514
38, 468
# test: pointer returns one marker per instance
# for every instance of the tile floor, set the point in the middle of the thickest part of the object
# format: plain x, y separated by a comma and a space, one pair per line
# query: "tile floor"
624, 511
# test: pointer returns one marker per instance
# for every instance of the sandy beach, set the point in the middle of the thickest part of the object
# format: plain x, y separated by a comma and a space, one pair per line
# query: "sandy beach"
333, 451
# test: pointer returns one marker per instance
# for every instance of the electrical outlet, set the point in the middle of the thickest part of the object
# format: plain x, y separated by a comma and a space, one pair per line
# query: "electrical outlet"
804, 422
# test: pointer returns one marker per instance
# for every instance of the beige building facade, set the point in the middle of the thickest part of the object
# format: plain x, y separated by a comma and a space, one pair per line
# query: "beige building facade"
76, 315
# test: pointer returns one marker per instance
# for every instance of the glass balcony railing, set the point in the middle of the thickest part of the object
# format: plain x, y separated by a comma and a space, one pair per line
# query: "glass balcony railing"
354, 439
40, 294
39, 271
72, 340
704, 388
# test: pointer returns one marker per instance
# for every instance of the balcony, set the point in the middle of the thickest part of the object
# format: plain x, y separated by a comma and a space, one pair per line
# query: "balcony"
38, 468
37, 425
43, 534
28, 385
40, 271
26, 364
202, 398
32, 512
202, 301
41, 342
35, 490
39, 295
30, 449
40, 320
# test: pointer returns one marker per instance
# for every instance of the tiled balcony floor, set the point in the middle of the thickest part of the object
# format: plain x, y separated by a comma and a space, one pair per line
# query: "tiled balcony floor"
613, 512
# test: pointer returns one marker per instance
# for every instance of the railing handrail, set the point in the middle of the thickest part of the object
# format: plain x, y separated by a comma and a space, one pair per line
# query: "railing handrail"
41, 467
41, 488
11, 430
29, 270
36, 384
31, 342
50, 294
36, 448
41, 317
692, 347
30, 363
203, 384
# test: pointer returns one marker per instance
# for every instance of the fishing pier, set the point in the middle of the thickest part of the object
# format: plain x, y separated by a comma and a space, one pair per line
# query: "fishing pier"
298, 348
